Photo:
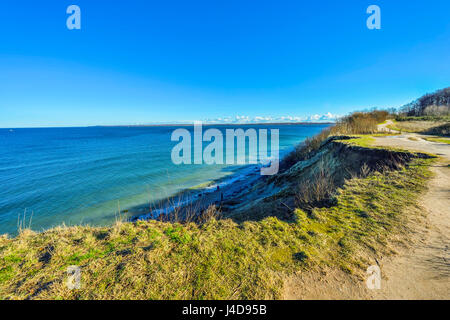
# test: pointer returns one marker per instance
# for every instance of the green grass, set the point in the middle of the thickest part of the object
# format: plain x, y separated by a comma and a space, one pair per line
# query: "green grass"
439, 140
219, 259
366, 141
439, 128
423, 118
360, 140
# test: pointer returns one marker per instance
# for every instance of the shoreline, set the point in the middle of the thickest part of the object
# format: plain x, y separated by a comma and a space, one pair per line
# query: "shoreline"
171, 125
196, 199
216, 124
196, 192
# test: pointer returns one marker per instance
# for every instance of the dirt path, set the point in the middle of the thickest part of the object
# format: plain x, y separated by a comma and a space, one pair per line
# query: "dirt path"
384, 126
424, 271
421, 271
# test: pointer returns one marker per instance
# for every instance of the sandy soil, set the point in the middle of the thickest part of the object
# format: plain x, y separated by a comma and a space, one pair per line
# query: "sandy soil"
423, 271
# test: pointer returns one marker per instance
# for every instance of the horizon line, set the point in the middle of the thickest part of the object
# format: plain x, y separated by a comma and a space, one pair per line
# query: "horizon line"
173, 125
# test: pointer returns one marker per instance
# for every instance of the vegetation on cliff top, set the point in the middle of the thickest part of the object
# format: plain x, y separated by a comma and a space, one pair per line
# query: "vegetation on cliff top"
217, 259
434, 104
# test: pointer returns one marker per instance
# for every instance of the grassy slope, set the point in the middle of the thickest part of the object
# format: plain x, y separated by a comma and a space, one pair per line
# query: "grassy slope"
440, 128
439, 140
219, 259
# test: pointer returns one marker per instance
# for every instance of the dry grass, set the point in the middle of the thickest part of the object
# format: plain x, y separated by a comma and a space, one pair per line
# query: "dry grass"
425, 127
212, 212
218, 259
440, 130
183, 208
359, 123
313, 192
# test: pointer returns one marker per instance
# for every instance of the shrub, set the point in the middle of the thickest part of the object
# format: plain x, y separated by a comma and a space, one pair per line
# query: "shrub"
313, 192
355, 123
207, 215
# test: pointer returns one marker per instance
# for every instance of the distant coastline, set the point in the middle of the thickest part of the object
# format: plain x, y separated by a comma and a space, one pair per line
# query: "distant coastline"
174, 125
219, 124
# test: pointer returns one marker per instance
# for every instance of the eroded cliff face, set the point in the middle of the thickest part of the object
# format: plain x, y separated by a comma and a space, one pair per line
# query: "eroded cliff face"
312, 182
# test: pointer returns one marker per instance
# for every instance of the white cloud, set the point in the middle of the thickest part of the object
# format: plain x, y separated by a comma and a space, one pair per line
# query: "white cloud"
242, 119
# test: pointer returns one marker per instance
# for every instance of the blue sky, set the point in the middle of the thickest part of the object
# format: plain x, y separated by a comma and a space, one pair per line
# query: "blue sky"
167, 61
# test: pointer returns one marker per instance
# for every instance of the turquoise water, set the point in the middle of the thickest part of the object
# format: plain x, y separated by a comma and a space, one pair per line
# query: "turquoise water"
84, 175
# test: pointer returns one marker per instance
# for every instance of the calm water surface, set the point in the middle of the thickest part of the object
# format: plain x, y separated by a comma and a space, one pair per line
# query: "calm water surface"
82, 175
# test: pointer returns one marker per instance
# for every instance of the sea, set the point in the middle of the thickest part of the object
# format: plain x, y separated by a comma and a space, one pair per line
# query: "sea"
93, 175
